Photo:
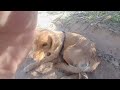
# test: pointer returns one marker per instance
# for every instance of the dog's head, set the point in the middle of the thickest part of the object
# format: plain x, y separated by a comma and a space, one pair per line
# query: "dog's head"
44, 44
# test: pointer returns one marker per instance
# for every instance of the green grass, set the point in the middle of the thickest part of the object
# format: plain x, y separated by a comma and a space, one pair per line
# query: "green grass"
110, 18
93, 15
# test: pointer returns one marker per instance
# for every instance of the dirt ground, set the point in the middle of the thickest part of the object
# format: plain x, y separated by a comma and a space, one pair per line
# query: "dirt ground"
108, 47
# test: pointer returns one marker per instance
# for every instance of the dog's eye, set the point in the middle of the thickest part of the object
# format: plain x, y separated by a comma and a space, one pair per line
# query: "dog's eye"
48, 54
45, 44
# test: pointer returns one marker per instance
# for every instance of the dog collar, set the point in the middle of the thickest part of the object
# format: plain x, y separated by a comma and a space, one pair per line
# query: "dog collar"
64, 37
61, 54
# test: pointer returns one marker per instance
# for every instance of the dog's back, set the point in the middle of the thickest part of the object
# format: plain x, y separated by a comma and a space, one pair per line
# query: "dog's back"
80, 52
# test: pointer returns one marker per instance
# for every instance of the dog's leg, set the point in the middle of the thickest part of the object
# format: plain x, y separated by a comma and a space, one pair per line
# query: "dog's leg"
44, 60
84, 75
36, 64
72, 69
68, 68
31, 67
79, 77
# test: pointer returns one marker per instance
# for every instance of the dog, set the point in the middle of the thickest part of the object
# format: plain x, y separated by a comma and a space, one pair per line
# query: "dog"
77, 53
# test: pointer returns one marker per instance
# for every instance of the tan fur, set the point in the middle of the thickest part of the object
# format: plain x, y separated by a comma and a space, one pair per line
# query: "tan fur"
79, 52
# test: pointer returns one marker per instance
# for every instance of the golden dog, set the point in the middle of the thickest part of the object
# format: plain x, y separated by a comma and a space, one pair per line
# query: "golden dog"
77, 52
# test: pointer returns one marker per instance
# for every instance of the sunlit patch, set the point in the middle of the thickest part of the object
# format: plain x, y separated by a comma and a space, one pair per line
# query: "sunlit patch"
95, 65
34, 73
38, 56
93, 49
4, 17
45, 21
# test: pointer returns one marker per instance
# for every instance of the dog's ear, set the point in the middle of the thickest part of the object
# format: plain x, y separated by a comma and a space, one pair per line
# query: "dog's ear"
48, 43
53, 42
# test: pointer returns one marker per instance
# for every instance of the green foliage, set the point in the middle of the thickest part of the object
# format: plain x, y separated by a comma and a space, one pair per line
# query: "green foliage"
94, 15
110, 18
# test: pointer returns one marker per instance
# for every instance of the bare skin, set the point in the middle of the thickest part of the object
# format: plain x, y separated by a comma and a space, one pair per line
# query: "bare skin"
16, 38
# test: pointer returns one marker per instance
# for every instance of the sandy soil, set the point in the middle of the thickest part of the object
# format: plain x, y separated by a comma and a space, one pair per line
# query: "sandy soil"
108, 47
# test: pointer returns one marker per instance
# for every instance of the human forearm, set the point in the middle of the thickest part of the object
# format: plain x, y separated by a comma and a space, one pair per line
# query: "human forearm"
16, 37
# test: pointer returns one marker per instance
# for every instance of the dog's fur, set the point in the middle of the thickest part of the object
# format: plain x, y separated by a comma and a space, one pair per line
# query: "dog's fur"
79, 53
